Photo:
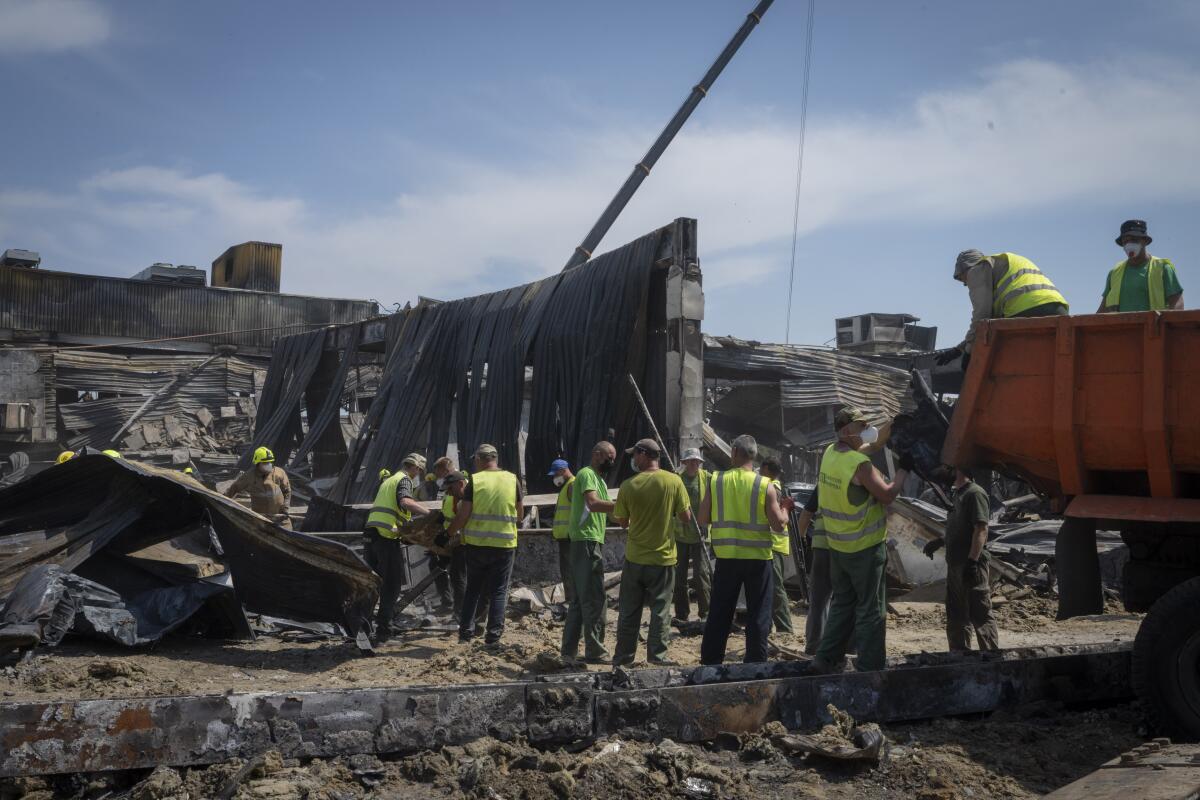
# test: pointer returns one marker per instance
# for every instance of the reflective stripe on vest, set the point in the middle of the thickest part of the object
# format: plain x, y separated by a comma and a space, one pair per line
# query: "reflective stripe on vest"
1156, 284
849, 527
781, 542
493, 520
739, 520
562, 512
817, 531
1022, 287
385, 513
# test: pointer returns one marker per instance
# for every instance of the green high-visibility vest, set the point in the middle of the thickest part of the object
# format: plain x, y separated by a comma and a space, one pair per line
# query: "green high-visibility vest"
739, 515
562, 512
448, 504
385, 512
1021, 287
817, 530
781, 542
849, 526
493, 521
1154, 275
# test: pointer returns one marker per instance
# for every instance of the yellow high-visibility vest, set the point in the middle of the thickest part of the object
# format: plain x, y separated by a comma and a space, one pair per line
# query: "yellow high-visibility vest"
385, 512
849, 527
562, 512
448, 509
1154, 275
781, 542
739, 515
1021, 287
493, 521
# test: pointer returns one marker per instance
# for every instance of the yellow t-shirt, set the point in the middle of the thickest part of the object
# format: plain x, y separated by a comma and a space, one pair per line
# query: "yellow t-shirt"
650, 501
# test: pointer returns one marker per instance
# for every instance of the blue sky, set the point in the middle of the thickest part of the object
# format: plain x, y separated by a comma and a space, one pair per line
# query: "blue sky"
447, 149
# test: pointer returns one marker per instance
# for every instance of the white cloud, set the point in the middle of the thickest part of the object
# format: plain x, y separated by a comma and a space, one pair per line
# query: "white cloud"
48, 26
1024, 135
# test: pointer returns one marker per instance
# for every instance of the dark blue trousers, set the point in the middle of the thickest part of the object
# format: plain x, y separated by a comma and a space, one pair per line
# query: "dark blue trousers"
757, 577
488, 572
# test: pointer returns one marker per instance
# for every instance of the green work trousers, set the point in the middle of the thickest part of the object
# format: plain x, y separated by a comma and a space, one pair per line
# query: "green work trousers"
692, 553
859, 607
644, 585
781, 615
969, 607
585, 615
564, 570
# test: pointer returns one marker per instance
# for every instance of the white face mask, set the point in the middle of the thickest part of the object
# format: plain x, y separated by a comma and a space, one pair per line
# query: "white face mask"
441, 483
1132, 249
633, 464
869, 435
559, 480
265, 469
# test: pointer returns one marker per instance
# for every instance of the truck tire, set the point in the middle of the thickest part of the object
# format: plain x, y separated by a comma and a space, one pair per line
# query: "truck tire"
1078, 566
1166, 662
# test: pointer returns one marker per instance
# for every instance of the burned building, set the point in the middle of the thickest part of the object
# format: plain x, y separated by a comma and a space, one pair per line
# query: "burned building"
157, 362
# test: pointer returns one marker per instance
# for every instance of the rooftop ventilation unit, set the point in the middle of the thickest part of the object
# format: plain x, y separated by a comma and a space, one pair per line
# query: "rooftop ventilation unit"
20, 258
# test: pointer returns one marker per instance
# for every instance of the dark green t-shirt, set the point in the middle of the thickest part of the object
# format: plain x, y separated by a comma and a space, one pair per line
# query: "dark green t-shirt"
1135, 286
971, 506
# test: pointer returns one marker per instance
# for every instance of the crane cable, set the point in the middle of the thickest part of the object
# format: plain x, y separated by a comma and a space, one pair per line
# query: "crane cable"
812, 7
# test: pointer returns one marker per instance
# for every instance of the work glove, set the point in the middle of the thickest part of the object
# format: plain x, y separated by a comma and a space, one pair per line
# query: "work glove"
933, 546
945, 358
906, 463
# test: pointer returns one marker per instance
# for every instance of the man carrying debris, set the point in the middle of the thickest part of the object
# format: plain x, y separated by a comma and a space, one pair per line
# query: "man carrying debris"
852, 503
781, 548
395, 504
1141, 282
1002, 286
968, 587
648, 505
268, 487
589, 509
689, 544
560, 473
488, 515
744, 509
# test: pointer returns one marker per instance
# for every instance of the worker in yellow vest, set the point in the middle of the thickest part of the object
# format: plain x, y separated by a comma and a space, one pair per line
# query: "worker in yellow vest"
691, 545
1141, 282
743, 509
450, 581
488, 515
560, 474
853, 500
1001, 286
395, 504
781, 548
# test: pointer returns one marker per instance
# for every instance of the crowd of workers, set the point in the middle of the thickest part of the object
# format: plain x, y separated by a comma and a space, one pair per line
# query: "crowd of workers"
671, 519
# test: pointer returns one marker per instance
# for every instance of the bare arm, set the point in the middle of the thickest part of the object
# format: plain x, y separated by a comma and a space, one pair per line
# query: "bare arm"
776, 516
979, 287
978, 540
413, 507
520, 509
460, 517
684, 516
704, 514
1175, 302
596, 505
873, 481
806, 518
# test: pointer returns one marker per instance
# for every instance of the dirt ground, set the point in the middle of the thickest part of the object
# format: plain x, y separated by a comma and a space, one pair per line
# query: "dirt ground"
1013, 755
80, 668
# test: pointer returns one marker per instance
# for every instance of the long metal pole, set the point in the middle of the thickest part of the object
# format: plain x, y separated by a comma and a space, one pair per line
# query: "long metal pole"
584, 251
662, 448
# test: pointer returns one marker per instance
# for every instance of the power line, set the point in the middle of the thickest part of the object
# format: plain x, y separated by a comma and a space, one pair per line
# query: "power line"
808, 46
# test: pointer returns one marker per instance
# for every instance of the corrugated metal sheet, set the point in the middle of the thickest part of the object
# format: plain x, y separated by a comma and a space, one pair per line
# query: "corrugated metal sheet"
95, 305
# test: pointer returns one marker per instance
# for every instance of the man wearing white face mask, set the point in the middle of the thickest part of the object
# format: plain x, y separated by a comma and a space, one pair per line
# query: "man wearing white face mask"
1002, 286
1141, 282
852, 499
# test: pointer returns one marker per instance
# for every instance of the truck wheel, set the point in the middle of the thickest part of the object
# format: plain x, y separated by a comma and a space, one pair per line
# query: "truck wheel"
1166, 662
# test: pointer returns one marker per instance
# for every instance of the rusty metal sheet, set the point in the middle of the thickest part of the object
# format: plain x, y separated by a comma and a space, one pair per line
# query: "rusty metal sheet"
1137, 509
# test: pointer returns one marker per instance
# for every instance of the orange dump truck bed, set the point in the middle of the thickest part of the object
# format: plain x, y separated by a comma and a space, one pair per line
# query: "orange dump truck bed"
1100, 410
